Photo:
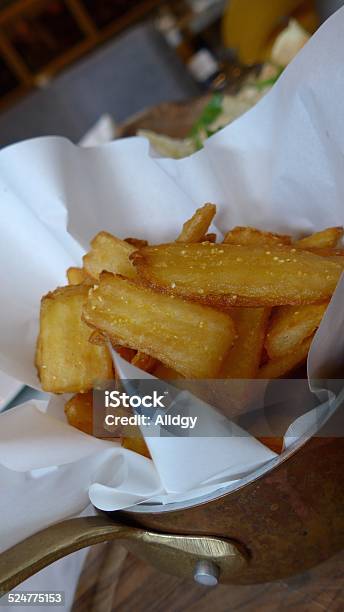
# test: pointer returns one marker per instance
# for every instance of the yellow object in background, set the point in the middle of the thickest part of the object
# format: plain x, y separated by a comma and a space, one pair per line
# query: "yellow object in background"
251, 26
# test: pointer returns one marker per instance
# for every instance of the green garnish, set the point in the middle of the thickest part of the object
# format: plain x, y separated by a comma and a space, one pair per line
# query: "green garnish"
211, 112
260, 85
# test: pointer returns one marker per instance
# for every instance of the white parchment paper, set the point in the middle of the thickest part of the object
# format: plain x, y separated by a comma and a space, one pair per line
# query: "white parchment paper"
279, 167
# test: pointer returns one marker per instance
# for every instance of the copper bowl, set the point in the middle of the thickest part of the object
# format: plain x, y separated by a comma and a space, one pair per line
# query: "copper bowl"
285, 520
288, 519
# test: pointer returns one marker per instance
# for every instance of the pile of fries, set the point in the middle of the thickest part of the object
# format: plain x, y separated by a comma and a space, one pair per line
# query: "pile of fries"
245, 308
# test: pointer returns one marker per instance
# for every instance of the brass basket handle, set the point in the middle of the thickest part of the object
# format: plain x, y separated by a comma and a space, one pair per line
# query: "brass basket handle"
171, 553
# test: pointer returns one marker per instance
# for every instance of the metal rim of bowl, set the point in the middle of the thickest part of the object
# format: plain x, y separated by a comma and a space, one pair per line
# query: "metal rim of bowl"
159, 508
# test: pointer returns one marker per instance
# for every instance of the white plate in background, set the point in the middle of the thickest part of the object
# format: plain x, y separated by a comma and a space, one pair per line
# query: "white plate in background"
9, 388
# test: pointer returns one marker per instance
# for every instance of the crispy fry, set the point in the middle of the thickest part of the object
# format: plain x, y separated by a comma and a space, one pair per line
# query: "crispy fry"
244, 358
79, 411
321, 240
278, 368
208, 238
127, 353
326, 251
109, 253
78, 276
68, 362
38, 354
337, 259
225, 275
166, 373
188, 337
136, 242
190, 233
252, 236
290, 325
196, 227
334, 255
97, 338
144, 362
137, 445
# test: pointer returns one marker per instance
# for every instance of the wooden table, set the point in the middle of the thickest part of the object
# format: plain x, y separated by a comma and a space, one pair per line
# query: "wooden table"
114, 580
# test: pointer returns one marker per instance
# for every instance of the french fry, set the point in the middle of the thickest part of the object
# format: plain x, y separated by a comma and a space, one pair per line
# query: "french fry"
195, 228
97, 338
190, 233
166, 373
78, 276
337, 259
290, 325
38, 354
144, 362
136, 242
254, 237
137, 445
187, 337
333, 254
326, 251
67, 361
321, 240
223, 275
139, 359
127, 353
278, 368
110, 254
244, 357
79, 411
208, 238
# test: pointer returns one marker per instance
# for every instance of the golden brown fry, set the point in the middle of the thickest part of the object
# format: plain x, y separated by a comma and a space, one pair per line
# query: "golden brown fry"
136, 242
334, 255
195, 228
337, 259
290, 325
109, 253
166, 373
38, 354
252, 236
188, 337
78, 276
137, 445
68, 362
244, 358
326, 252
191, 229
144, 362
321, 240
223, 275
278, 368
79, 411
208, 238
97, 338
127, 353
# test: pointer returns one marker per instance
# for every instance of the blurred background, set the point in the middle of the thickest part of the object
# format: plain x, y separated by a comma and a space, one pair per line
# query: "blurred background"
64, 64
